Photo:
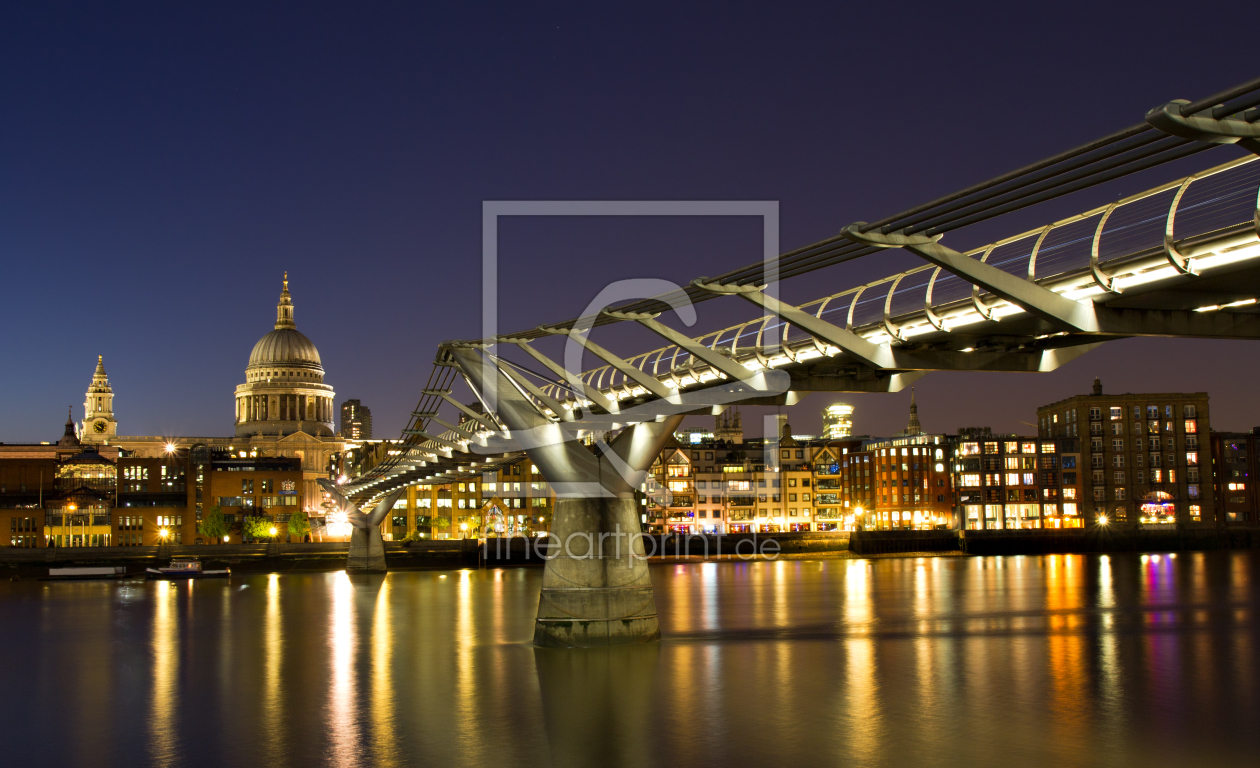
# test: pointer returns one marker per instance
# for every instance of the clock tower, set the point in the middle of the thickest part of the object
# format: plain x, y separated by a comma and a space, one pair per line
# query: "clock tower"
98, 409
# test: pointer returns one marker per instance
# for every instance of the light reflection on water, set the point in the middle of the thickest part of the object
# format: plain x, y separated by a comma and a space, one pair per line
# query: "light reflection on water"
1080, 660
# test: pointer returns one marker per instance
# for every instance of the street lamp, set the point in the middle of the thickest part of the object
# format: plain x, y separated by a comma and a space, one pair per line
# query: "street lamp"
1102, 519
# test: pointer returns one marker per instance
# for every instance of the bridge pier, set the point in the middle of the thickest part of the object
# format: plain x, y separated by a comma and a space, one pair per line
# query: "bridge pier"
367, 546
367, 551
597, 591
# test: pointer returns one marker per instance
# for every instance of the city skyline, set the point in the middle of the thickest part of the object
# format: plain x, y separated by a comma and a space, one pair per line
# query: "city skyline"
114, 233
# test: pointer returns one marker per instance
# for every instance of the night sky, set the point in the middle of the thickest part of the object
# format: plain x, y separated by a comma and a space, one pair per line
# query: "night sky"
161, 166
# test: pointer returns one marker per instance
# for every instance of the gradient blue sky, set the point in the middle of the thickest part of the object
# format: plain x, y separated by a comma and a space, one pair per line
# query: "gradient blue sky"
161, 165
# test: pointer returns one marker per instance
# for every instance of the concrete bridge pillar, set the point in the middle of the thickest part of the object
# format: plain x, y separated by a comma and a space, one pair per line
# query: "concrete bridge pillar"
367, 547
596, 591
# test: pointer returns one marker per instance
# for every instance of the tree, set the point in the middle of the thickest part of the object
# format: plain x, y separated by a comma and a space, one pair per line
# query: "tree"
213, 525
299, 526
258, 527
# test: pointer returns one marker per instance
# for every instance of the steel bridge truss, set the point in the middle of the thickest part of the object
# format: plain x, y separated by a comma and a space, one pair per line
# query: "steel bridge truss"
1180, 260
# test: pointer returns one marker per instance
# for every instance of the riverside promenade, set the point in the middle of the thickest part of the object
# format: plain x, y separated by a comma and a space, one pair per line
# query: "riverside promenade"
471, 553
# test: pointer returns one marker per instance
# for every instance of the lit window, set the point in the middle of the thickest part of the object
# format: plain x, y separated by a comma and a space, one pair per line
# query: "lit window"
1117, 413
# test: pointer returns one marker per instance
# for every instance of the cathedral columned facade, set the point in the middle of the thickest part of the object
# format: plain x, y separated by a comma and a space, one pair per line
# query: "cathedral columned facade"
284, 390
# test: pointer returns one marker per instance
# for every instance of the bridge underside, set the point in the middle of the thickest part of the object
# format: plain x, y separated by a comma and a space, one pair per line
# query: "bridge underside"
1179, 260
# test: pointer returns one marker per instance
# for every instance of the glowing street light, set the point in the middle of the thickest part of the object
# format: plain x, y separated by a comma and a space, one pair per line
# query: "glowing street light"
170, 448
273, 530
163, 533
1102, 519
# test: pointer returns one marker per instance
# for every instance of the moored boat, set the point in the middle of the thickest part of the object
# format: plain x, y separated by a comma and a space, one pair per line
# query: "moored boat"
185, 568
83, 574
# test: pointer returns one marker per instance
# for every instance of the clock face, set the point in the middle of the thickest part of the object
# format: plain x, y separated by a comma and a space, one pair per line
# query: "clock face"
99, 427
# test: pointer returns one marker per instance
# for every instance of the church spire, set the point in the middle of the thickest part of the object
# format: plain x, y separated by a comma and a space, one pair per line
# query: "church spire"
913, 428
284, 310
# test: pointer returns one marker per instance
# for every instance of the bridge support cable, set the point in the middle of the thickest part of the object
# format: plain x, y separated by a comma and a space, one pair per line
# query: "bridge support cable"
426, 437
1026, 358
485, 420
1074, 317
1134, 149
649, 383
547, 401
1055, 308
874, 355
711, 357
572, 381
1243, 130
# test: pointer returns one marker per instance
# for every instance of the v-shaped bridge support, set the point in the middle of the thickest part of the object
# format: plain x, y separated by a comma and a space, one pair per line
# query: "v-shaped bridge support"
596, 587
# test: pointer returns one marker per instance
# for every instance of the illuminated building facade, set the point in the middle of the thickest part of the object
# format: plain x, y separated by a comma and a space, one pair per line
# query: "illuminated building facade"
356, 421
837, 420
912, 484
283, 411
1141, 459
1006, 482
1234, 462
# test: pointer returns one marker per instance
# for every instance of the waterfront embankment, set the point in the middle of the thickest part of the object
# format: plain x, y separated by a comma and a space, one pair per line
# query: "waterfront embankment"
469, 553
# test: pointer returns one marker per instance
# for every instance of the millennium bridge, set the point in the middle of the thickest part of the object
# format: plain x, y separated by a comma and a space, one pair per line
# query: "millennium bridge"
1181, 259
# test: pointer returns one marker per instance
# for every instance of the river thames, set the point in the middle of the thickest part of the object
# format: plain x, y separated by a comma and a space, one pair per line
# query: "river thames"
1144, 660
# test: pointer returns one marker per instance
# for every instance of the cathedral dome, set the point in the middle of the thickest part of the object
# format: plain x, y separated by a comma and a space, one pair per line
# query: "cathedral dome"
284, 390
284, 346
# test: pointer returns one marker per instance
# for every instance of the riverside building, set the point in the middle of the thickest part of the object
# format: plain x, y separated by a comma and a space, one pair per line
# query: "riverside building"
98, 487
1141, 459
1007, 482
1234, 462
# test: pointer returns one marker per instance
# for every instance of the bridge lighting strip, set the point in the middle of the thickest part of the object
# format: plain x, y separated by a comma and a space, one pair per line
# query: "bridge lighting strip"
1079, 287
1215, 307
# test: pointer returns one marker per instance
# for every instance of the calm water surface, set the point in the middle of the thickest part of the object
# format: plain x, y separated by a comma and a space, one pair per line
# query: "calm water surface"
1057, 660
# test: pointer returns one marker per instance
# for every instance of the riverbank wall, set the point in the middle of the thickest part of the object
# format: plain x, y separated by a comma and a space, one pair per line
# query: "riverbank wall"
316, 556
1098, 540
469, 553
